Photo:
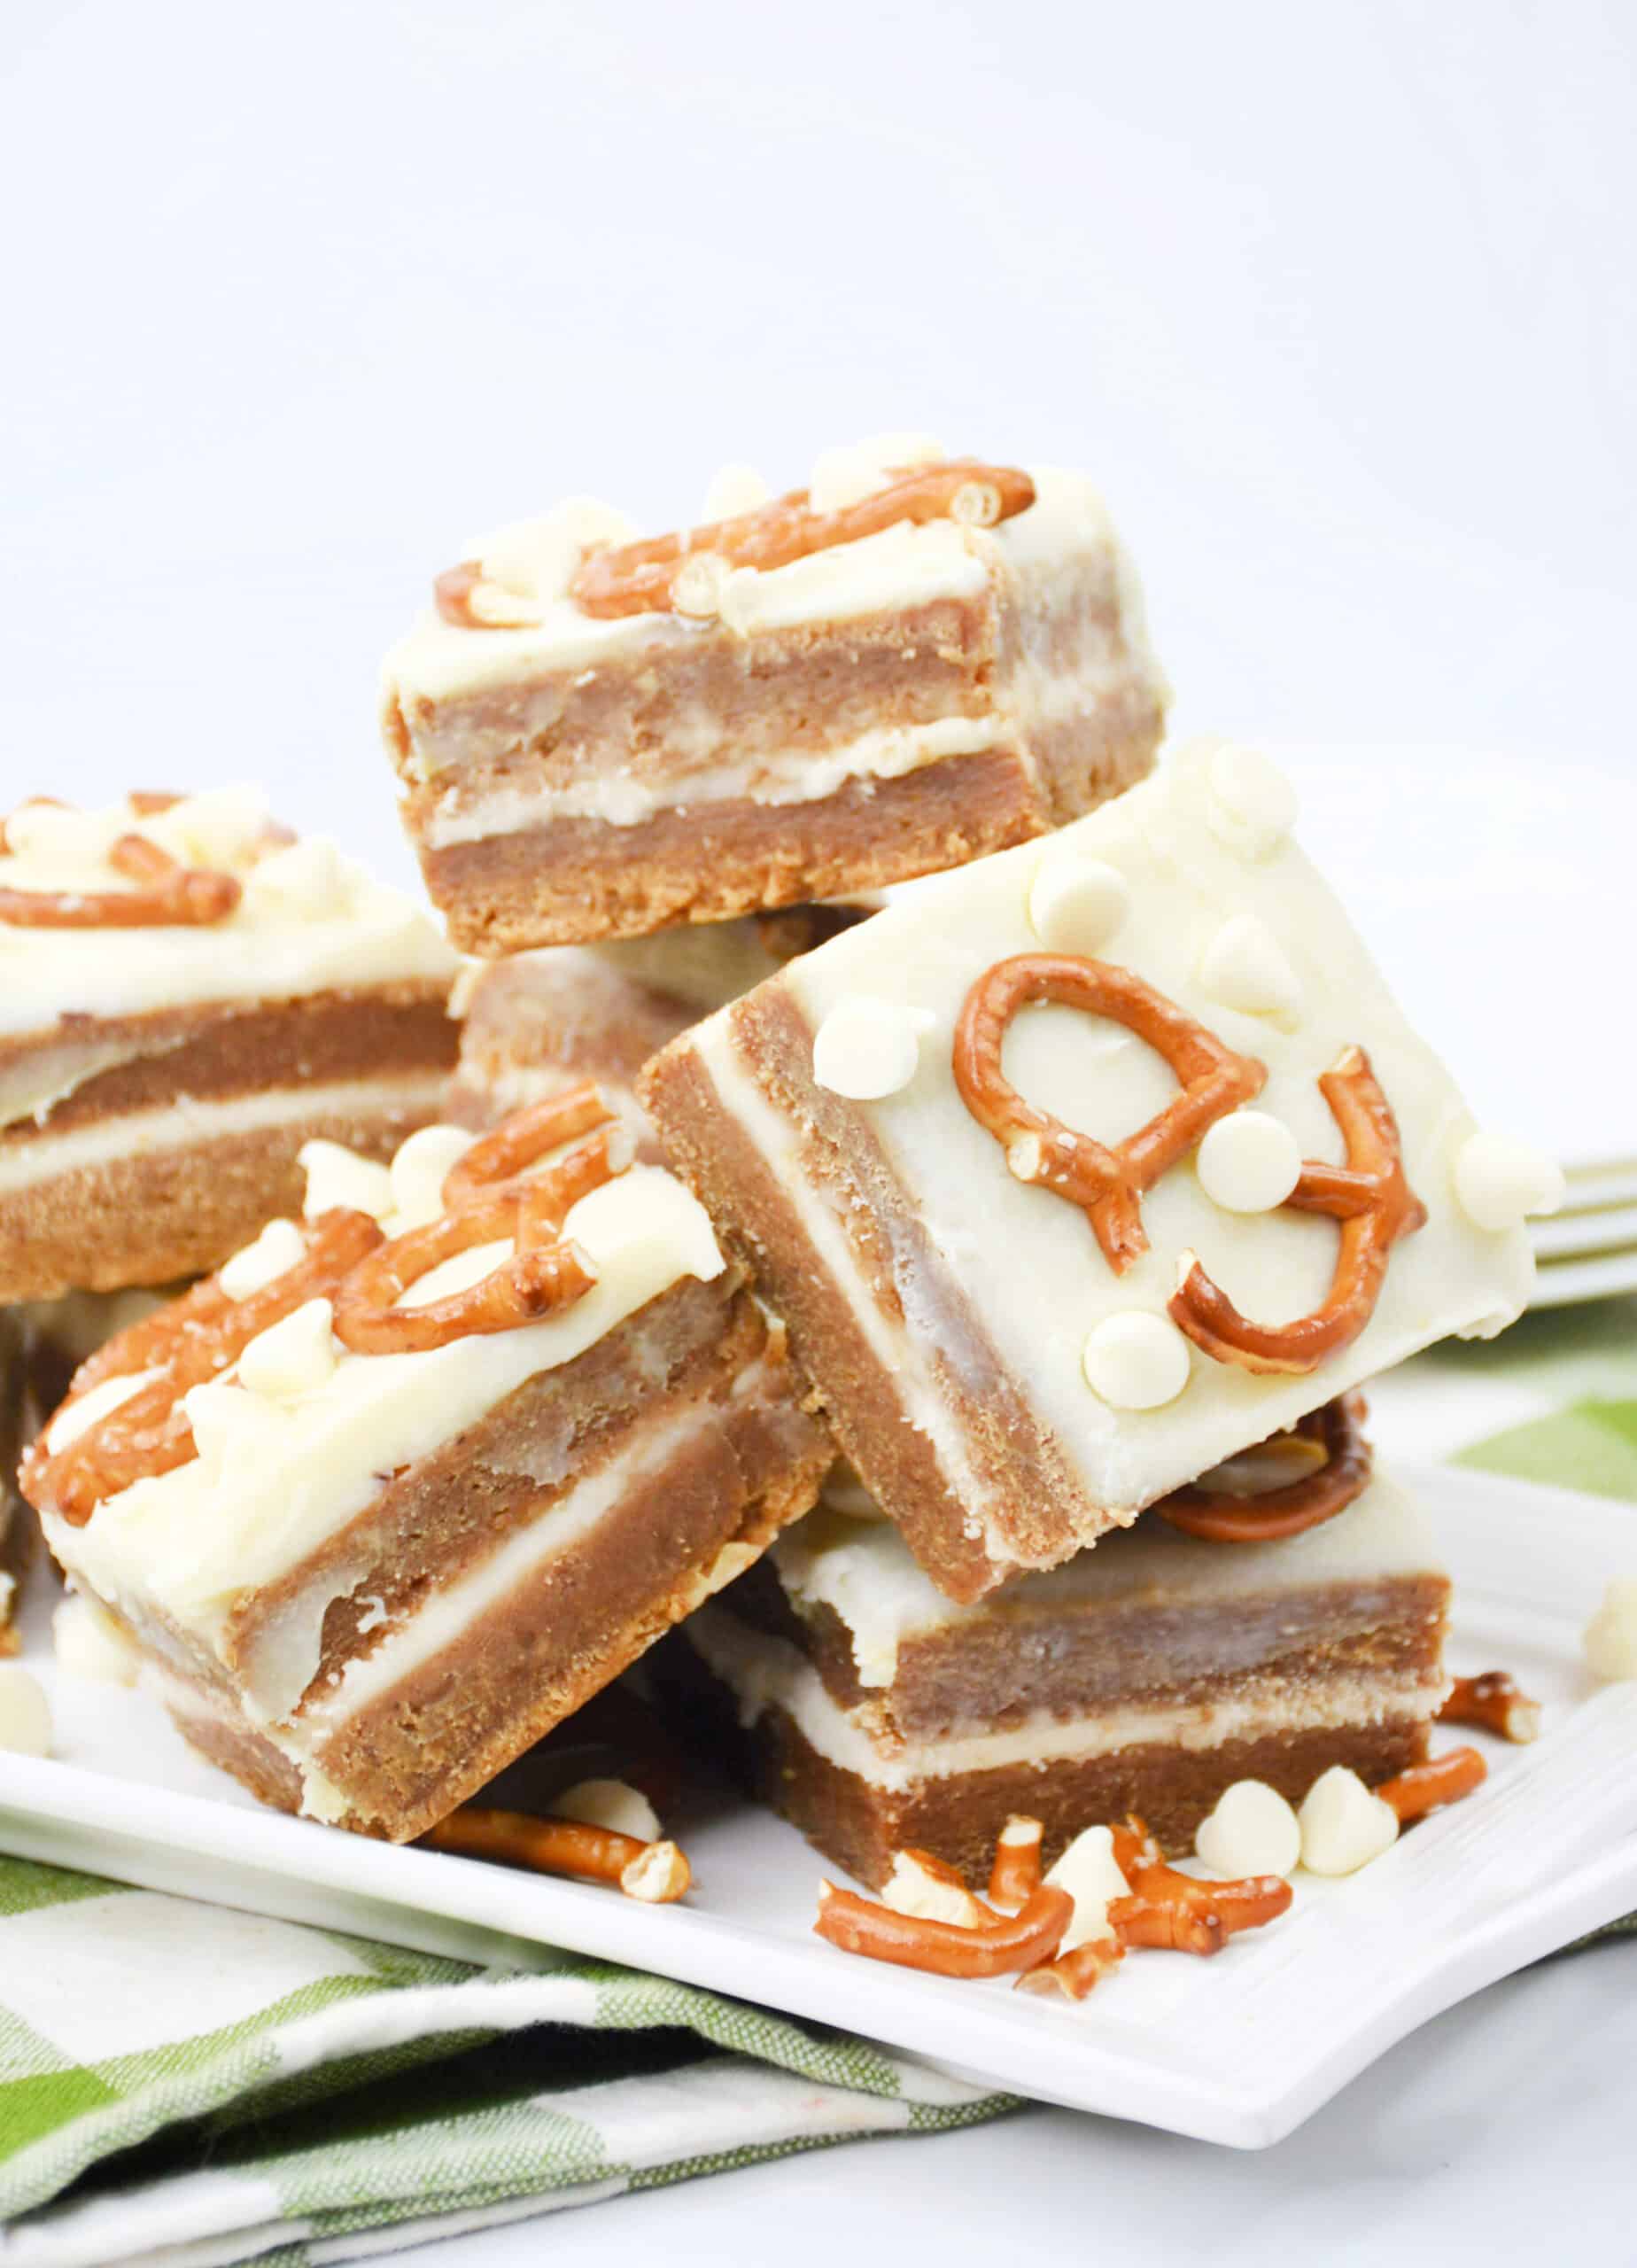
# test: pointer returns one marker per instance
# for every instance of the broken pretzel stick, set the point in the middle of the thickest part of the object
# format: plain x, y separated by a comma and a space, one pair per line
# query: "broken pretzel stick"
1425, 1787
1179, 1912
657, 1873
1494, 1702
1074, 1975
1015, 1876
855, 1924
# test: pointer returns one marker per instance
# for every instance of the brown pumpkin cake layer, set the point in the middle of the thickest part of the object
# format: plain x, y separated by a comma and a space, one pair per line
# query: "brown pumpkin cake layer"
166, 1047
383, 1572
1146, 1675
787, 727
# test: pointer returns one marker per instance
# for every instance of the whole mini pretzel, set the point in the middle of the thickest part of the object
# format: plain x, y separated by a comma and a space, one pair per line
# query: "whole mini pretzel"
656, 1873
1219, 1517
167, 895
1375, 1205
1106, 1182
190, 1342
641, 577
491, 1201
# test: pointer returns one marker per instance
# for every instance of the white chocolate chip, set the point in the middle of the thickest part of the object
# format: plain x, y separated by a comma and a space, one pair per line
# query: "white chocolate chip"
1136, 1360
423, 1164
734, 490
645, 1210
291, 1357
338, 1176
1253, 1830
55, 835
1245, 966
273, 1252
228, 1422
1249, 1163
537, 559
697, 586
1610, 1639
24, 1714
309, 879
1252, 806
846, 476
1088, 1871
94, 1405
88, 1642
914, 1889
1077, 904
1343, 1825
865, 1049
220, 827
613, 1804
1501, 1182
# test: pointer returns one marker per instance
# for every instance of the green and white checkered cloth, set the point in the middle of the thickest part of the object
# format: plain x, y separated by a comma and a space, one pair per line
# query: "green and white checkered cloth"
180, 2083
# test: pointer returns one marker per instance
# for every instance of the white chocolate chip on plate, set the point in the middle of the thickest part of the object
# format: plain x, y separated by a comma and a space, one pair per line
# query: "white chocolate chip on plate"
24, 1714
88, 1642
1253, 1830
1343, 1825
1089, 1872
1249, 1163
1610, 1639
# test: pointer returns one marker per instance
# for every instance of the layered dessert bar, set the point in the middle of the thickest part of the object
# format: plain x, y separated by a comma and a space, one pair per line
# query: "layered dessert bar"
187, 996
1147, 1676
398, 1489
1076, 1172
17, 1522
911, 661
539, 1023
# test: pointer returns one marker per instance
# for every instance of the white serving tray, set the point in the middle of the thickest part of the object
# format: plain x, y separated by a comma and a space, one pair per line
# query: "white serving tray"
1239, 2050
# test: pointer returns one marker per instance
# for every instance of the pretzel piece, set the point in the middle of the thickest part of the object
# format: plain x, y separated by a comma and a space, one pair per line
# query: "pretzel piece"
1014, 1876
1373, 1202
657, 1873
642, 578
189, 1342
1106, 1182
491, 1200
1443, 1780
1074, 1975
855, 1924
1495, 1702
1179, 1912
1219, 1517
168, 896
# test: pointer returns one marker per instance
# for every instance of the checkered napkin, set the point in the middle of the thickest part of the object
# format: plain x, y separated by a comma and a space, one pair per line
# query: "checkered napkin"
210, 2087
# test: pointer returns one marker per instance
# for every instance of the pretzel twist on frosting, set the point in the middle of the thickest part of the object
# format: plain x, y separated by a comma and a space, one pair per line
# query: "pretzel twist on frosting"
167, 895
188, 1343
1107, 1181
491, 1200
1218, 1517
1373, 1202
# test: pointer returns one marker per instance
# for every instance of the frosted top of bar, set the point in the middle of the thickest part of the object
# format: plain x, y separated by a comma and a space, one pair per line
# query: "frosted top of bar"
864, 1571
1190, 881
309, 920
901, 566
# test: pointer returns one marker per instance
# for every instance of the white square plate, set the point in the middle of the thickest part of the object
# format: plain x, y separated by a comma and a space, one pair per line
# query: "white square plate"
1238, 2050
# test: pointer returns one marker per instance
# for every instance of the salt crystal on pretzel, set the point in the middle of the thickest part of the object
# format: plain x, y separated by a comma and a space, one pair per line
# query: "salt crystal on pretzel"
1029, 1306
908, 662
380, 1519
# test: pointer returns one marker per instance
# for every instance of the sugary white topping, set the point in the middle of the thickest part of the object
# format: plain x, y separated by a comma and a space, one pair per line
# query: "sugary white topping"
1244, 967
88, 1643
1075, 904
847, 475
417, 1174
336, 1176
1249, 1163
291, 1357
1343, 1825
865, 1049
274, 1252
24, 1714
913, 1888
613, 1804
306, 880
92, 1408
733, 489
1610, 1639
1252, 806
1253, 1830
1091, 1874
1501, 1182
1136, 1360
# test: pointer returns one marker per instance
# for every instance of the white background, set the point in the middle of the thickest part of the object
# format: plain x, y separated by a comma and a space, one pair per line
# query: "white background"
1337, 300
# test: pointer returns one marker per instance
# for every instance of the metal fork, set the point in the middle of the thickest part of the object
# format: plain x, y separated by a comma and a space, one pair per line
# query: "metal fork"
1588, 1251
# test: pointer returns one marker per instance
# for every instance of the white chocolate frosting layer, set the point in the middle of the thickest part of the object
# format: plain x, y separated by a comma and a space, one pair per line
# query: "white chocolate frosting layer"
310, 920
1201, 846
280, 1471
863, 1571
